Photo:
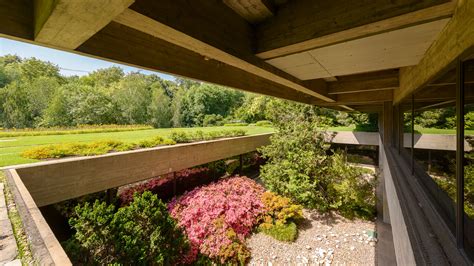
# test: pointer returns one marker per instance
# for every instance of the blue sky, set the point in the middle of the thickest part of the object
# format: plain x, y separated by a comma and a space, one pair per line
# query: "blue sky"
69, 63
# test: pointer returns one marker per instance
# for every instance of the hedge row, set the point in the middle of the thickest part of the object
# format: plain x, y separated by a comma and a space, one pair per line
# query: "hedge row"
85, 129
62, 150
55, 151
199, 135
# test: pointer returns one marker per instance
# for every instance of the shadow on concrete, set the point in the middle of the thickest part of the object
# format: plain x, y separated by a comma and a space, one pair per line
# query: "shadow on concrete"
384, 250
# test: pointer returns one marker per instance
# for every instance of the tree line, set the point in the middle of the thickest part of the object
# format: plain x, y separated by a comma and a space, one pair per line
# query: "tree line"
33, 93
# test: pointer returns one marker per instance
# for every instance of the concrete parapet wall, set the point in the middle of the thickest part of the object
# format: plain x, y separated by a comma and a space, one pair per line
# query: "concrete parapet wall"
401, 239
55, 181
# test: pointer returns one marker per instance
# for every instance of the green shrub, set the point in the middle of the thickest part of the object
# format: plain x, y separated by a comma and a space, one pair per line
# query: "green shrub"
213, 120
141, 233
236, 124
234, 133
156, 141
299, 166
351, 194
180, 136
199, 135
280, 217
282, 232
88, 149
264, 123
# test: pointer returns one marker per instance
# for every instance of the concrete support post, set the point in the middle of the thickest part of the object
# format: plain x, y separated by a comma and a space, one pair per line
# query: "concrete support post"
386, 133
387, 123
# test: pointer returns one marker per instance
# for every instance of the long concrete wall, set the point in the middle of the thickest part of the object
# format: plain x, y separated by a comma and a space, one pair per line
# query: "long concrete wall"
401, 240
55, 181
422, 141
43, 243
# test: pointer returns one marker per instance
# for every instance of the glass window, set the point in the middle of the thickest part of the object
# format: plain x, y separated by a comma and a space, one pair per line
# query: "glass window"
468, 191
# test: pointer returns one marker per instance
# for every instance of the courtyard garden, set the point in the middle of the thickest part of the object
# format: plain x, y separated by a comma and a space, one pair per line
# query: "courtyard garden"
294, 201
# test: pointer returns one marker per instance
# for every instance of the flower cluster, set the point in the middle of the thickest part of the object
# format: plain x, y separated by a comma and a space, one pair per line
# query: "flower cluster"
218, 217
165, 186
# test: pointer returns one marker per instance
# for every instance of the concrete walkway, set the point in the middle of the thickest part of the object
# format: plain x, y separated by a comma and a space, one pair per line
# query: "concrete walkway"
8, 247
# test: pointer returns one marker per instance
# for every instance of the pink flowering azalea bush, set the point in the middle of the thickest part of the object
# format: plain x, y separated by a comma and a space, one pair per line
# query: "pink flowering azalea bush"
163, 186
218, 217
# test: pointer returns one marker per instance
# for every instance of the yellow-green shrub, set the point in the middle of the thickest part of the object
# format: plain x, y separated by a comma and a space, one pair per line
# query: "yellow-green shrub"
183, 137
156, 141
281, 213
93, 148
283, 232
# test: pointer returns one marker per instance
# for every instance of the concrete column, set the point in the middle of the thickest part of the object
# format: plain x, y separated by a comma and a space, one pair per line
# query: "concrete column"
386, 133
387, 123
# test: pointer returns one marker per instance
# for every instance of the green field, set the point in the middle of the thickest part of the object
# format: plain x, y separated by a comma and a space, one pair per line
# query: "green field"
11, 148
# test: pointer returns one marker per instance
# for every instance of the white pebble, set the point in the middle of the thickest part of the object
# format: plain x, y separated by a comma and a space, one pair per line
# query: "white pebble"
352, 248
308, 247
337, 246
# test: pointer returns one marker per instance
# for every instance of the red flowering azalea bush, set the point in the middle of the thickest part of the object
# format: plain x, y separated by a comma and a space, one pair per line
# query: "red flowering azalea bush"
218, 217
163, 187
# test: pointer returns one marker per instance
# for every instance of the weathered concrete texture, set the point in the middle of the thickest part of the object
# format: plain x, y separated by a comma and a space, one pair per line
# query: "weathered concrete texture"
45, 247
8, 247
384, 250
401, 240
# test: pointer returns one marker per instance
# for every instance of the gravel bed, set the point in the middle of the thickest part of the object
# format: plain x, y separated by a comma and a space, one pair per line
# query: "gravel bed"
322, 240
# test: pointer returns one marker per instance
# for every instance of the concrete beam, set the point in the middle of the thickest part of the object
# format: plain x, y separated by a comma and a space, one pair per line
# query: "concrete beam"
119, 43
69, 23
55, 181
212, 30
455, 39
375, 81
254, 11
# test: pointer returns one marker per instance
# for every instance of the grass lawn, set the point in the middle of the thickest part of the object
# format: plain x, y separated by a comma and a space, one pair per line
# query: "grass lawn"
11, 148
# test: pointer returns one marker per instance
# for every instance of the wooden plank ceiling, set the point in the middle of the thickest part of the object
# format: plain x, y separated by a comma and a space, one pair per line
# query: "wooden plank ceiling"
342, 54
